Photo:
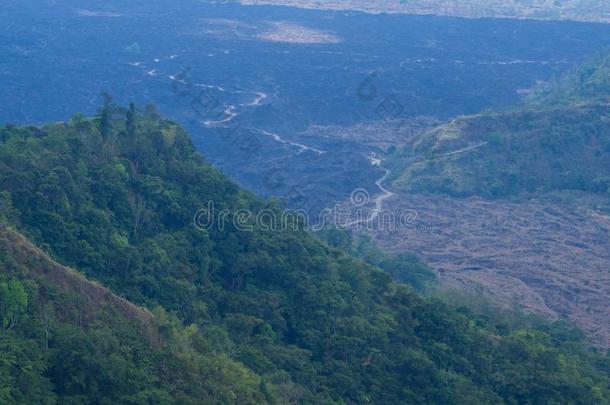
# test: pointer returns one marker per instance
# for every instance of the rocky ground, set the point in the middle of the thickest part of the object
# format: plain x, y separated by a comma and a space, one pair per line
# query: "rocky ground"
547, 257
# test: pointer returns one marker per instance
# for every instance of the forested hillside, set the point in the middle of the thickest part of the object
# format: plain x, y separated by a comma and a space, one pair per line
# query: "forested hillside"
258, 316
558, 140
511, 154
67, 340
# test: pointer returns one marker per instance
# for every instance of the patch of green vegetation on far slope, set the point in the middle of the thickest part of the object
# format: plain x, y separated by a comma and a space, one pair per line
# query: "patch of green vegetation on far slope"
589, 83
557, 141
510, 154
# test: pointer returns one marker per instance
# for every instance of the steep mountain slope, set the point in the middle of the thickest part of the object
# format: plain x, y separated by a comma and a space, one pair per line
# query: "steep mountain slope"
94, 297
277, 316
65, 339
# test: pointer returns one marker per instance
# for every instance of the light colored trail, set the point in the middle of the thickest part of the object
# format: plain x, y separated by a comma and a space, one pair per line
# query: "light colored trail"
284, 141
379, 200
211, 86
259, 99
382, 197
229, 112
459, 151
385, 193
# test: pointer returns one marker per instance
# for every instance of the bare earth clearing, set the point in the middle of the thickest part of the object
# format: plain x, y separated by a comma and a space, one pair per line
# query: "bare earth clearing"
94, 296
272, 31
547, 258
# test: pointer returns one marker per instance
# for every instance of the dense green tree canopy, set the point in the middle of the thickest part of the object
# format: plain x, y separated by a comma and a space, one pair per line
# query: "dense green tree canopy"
260, 316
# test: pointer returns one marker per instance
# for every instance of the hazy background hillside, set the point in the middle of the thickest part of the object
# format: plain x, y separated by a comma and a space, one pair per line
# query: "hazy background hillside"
577, 10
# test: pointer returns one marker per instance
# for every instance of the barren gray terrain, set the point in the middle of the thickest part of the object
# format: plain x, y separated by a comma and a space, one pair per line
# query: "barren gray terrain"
576, 10
549, 259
